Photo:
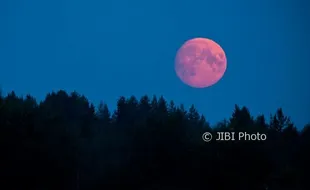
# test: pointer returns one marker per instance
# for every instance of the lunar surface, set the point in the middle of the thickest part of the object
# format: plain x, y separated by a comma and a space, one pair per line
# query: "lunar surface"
200, 62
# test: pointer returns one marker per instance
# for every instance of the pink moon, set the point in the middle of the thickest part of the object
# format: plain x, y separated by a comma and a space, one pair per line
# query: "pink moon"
200, 62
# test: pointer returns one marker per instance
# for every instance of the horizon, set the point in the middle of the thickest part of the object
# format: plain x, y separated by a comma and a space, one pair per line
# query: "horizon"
212, 124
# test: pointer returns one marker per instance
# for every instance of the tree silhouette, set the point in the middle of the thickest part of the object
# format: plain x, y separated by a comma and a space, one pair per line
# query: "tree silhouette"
63, 142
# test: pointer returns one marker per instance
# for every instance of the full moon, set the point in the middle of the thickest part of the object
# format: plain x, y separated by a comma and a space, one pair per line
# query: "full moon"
200, 62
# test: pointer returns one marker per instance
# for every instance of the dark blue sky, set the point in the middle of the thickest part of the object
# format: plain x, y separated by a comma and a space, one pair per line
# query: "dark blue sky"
105, 49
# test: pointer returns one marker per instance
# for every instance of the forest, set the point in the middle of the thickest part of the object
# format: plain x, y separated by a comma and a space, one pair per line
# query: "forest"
65, 142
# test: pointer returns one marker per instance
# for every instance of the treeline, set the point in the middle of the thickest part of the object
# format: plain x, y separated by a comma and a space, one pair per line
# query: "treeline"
64, 142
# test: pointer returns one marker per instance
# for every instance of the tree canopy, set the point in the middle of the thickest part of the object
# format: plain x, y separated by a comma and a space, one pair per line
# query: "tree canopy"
65, 142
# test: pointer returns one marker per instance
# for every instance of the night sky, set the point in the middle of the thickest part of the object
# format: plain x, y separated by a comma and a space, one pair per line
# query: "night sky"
105, 49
